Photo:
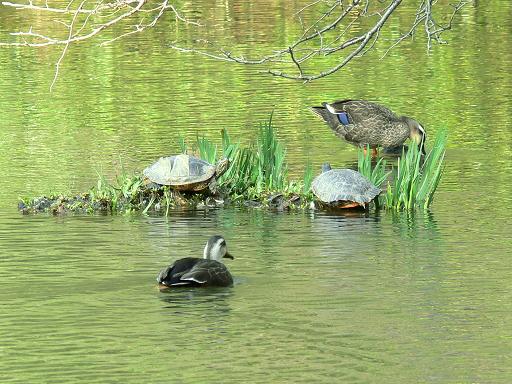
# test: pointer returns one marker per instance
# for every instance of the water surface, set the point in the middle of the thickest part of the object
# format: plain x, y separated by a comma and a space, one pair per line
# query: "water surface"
318, 297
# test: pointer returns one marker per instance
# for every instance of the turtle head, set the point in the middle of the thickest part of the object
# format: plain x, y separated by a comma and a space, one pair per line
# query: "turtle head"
221, 166
326, 167
216, 249
417, 133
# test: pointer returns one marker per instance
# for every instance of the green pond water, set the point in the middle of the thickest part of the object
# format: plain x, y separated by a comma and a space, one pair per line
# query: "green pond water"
318, 297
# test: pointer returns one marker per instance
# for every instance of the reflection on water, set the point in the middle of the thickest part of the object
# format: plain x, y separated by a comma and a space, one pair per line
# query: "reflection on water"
182, 301
353, 297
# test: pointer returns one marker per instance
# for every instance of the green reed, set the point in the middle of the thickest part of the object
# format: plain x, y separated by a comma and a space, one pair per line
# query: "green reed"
307, 179
126, 188
377, 173
207, 149
260, 167
270, 154
415, 179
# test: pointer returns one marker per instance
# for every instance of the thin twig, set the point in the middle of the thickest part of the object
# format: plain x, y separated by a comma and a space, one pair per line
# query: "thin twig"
57, 65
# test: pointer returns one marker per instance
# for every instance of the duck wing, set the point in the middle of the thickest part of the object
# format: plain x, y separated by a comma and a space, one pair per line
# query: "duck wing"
173, 273
209, 272
361, 110
365, 121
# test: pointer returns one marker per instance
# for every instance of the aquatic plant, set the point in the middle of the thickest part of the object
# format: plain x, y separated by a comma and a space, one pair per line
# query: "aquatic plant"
126, 190
182, 144
307, 179
270, 154
377, 173
415, 179
255, 169
207, 150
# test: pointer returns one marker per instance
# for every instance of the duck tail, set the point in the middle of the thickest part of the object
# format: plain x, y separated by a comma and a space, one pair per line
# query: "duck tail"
331, 119
327, 116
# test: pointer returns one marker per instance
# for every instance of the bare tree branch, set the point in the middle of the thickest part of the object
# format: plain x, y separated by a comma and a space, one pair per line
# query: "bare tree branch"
57, 65
333, 32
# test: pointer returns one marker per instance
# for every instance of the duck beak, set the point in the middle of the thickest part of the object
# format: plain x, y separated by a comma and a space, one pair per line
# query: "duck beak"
228, 256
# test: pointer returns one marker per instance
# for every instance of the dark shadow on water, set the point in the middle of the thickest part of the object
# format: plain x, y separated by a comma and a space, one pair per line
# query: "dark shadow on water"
195, 301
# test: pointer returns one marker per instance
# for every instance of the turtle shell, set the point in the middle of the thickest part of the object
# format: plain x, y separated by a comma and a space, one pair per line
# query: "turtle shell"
183, 172
339, 185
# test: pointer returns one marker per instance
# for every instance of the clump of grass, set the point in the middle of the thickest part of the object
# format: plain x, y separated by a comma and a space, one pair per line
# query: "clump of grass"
415, 179
126, 191
376, 174
270, 155
207, 149
307, 179
182, 144
258, 168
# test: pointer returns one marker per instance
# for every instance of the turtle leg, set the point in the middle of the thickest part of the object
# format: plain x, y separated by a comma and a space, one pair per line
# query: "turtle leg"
213, 186
179, 198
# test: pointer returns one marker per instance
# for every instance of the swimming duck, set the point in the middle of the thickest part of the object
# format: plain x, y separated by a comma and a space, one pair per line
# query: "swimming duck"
194, 271
362, 123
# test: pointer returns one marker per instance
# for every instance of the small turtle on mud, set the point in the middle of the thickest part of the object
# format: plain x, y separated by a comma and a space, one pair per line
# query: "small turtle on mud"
185, 173
343, 188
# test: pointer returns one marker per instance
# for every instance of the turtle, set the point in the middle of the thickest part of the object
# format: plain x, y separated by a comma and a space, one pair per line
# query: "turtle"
185, 173
343, 188
363, 123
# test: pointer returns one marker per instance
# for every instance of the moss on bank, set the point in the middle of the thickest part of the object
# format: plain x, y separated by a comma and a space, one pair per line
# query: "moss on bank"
160, 201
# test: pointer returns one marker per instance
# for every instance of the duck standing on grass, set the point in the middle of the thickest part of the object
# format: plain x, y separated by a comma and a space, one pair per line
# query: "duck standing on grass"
362, 123
197, 272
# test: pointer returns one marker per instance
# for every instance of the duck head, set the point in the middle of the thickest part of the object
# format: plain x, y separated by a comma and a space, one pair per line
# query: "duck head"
216, 249
417, 133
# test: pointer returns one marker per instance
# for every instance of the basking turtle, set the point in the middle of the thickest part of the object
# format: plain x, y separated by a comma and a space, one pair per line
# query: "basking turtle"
343, 188
362, 123
185, 172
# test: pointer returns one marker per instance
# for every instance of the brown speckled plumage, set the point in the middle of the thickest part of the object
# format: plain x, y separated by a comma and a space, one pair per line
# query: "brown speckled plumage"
369, 123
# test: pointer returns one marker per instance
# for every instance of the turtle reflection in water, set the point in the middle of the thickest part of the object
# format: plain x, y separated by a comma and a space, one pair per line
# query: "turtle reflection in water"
343, 188
185, 173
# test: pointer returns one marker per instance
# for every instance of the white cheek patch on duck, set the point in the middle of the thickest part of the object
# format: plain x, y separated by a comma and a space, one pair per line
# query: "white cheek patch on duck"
422, 130
213, 252
341, 116
330, 108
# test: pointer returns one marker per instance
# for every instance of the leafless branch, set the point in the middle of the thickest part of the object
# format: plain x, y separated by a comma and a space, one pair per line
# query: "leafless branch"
433, 30
57, 65
333, 32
